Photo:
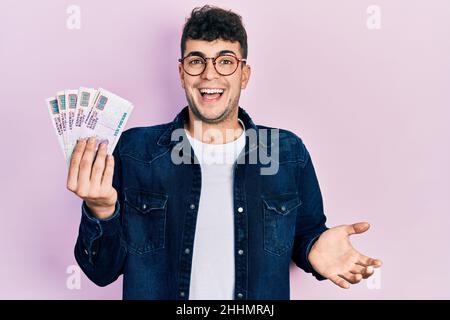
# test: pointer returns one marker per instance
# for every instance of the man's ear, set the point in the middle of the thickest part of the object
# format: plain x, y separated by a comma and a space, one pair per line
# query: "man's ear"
246, 72
180, 70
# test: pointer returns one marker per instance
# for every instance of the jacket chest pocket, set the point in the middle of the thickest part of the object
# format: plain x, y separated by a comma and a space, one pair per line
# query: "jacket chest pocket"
280, 213
144, 220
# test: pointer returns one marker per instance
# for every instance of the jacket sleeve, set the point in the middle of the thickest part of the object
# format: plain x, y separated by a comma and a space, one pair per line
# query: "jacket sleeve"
100, 249
310, 223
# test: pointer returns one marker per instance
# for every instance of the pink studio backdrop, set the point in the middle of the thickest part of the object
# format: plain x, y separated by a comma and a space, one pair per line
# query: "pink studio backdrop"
372, 106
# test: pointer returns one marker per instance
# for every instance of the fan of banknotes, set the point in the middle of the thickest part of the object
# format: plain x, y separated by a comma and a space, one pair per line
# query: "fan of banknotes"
88, 112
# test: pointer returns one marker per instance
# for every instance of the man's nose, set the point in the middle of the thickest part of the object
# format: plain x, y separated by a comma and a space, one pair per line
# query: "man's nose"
210, 72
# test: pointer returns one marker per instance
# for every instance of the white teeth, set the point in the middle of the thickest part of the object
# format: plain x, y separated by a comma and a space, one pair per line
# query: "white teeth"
211, 91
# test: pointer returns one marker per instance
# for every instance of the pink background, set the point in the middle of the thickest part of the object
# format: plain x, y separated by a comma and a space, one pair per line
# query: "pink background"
371, 105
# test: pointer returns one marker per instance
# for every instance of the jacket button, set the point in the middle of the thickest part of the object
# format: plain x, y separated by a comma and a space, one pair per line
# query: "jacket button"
241, 252
240, 295
144, 206
192, 206
283, 208
240, 209
182, 294
187, 251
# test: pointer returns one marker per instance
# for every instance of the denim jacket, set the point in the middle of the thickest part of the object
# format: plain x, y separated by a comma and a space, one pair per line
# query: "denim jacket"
150, 237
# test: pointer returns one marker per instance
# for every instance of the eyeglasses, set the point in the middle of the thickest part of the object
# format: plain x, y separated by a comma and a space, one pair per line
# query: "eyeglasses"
225, 65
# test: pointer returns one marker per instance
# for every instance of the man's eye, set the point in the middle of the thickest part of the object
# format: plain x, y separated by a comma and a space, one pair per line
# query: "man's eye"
196, 61
226, 61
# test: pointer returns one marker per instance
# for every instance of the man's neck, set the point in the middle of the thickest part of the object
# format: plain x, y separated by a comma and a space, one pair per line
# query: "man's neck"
225, 131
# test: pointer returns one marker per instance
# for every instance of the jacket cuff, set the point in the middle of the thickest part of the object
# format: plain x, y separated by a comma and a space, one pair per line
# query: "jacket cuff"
92, 229
96, 227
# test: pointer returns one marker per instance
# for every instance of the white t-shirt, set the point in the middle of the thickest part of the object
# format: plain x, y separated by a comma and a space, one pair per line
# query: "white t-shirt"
212, 274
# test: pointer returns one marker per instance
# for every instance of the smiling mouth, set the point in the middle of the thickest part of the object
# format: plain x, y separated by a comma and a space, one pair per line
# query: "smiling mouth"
211, 94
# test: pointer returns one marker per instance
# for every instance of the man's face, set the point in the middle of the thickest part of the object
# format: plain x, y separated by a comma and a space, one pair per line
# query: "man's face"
213, 108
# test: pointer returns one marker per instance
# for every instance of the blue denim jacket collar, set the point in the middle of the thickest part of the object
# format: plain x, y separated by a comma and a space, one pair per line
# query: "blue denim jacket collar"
181, 118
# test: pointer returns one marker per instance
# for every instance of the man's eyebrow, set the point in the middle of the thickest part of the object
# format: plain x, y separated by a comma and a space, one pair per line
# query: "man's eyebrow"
196, 53
201, 54
227, 52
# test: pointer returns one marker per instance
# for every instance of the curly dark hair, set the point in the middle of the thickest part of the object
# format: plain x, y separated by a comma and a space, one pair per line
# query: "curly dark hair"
210, 23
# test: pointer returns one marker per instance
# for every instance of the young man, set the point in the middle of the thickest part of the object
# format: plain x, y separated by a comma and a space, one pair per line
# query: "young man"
208, 222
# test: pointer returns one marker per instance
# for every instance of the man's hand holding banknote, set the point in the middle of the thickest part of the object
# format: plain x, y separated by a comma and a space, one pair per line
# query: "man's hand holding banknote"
88, 124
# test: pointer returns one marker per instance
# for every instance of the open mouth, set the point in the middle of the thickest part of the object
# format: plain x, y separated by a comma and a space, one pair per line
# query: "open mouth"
211, 94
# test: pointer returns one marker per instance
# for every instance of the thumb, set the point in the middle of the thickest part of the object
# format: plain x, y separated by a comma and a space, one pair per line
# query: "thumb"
359, 227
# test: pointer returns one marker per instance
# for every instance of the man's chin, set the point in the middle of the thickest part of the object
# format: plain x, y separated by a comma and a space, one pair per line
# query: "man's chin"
210, 114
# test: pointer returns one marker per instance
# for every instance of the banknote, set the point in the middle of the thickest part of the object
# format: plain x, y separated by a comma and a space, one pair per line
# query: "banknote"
52, 104
107, 118
61, 98
71, 108
88, 112
85, 101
